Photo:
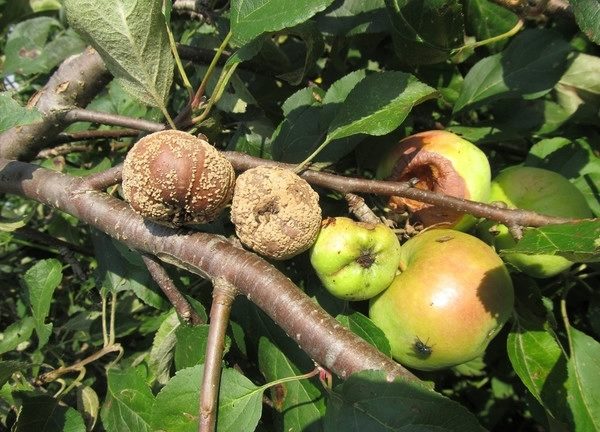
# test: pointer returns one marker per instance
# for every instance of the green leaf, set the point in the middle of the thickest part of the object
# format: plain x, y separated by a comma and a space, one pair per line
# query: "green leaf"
366, 401
574, 159
584, 381
15, 334
485, 19
38, 45
131, 38
88, 405
251, 18
176, 405
190, 347
578, 242
362, 326
425, 31
40, 282
529, 67
128, 406
539, 361
13, 114
378, 104
9, 367
161, 353
578, 90
43, 413
299, 404
313, 41
587, 15
120, 269
353, 17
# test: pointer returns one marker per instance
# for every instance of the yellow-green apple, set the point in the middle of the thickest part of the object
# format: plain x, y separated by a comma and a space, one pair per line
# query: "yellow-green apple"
542, 191
355, 260
438, 161
452, 297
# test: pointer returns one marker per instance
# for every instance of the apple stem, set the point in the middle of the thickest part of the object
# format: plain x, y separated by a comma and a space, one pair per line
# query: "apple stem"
359, 208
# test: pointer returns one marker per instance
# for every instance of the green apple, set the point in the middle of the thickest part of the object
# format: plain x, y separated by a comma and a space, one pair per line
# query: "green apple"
442, 162
542, 191
452, 297
355, 260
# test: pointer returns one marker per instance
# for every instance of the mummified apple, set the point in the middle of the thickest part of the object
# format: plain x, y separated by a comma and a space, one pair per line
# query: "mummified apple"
355, 260
542, 191
452, 297
442, 162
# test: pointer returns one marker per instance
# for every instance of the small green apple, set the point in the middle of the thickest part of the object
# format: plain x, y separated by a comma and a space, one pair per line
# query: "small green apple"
442, 162
539, 190
452, 297
355, 260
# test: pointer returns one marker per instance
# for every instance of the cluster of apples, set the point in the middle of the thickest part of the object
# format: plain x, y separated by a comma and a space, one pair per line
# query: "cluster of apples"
442, 296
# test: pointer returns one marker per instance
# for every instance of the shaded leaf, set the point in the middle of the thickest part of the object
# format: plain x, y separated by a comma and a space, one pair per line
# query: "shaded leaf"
378, 104
587, 15
299, 405
485, 19
128, 406
539, 361
88, 405
40, 282
425, 31
251, 18
13, 114
176, 406
529, 67
43, 413
584, 381
15, 334
38, 45
362, 326
9, 367
578, 242
351, 17
131, 38
313, 40
190, 347
161, 353
366, 401
575, 160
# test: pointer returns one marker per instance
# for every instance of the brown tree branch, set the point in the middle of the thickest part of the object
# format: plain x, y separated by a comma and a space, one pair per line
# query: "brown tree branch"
67, 137
223, 295
183, 308
80, 114
360, 209
75, 83
319, 334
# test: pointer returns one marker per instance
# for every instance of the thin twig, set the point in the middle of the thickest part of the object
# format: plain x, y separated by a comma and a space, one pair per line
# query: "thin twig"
223, 295
164, 281
64, 150
360, 209
104, 179
42, 237
79, 114
67, 137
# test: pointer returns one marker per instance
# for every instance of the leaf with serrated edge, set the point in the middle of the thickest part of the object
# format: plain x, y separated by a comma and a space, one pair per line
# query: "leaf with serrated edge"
161, 354
578, 242
587, 15
529, 67
13, 114
378, 104
177, 403
583, 383
129, 402
131, 38
40, 282
250, 18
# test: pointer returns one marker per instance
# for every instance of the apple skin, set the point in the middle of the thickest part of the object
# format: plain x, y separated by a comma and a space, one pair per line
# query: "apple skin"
442, 162
355, 260
452, 297
542, 191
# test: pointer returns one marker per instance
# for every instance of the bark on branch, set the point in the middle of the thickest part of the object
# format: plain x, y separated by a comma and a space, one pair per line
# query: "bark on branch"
319, 334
